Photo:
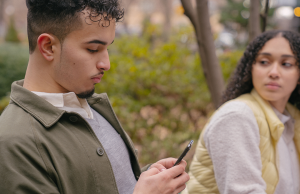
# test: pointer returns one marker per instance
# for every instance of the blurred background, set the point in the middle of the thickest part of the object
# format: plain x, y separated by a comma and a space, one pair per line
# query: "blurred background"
159, 87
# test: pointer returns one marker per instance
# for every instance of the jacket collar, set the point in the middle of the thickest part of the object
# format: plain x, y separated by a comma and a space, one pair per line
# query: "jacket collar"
39, 108
101, 104
276, 126
42, 110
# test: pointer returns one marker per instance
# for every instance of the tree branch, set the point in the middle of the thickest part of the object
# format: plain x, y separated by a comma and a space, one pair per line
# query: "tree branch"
190, 13
254, 20
215, 80
265, 16
1, 10
209, 61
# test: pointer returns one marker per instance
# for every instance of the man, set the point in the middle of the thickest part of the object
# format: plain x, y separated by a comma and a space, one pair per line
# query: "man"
56, 136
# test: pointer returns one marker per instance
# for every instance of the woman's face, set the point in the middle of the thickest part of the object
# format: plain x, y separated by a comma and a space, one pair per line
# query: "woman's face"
275, 73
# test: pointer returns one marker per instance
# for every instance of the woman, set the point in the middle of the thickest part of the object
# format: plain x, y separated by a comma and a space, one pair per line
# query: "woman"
251, 144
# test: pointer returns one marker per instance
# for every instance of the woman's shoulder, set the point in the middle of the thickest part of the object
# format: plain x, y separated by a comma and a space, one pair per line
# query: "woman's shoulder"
234, 108
235, 119
234, 113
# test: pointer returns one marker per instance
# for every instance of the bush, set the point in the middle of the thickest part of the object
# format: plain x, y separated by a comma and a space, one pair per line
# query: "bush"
3, 103
12, 34
13, 63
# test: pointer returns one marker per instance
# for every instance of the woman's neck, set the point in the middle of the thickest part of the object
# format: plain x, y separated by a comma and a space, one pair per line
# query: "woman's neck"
279, 105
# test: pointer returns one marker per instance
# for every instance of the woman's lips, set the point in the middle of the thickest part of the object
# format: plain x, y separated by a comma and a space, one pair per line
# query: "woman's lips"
273, 86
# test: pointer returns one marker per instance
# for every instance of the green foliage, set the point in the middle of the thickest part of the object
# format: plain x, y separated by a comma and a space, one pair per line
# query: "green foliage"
228, 62
3, 103
12, 34
13, 63
236, 12
232, 12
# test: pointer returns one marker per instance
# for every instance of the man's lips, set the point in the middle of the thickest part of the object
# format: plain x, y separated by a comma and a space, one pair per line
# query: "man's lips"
97, 78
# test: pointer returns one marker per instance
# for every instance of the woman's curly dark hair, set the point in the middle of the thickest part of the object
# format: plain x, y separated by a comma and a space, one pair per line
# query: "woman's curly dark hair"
241, 80
60, 17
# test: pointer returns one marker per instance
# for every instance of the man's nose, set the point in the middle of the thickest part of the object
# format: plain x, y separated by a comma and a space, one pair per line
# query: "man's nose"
104, 63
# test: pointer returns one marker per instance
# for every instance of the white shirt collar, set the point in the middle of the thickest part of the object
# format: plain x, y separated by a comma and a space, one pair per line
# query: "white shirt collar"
283, 117
69, 102
288, 121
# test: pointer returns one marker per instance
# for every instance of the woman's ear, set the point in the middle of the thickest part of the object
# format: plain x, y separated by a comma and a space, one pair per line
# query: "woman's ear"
45, 44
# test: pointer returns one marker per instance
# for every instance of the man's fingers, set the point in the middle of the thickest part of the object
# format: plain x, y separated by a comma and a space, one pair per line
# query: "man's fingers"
182, 179
179, 189
169, 162
183, 162
158, 166
151, 172
175, 171
172, 161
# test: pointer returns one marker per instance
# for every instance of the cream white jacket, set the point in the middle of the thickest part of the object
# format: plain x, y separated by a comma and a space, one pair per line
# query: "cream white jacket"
270, 128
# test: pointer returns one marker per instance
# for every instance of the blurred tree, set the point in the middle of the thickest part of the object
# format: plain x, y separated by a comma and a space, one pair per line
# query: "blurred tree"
210, 63
167, 4
1, 17
264, 16
1, 10
126, 5
12, 34
254, 19
235, 12
245, 16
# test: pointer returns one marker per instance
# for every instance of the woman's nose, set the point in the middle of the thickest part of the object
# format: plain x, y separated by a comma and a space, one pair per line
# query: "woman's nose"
275, 70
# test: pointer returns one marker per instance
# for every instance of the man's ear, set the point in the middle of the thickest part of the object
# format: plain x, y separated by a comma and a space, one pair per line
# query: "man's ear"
46, 44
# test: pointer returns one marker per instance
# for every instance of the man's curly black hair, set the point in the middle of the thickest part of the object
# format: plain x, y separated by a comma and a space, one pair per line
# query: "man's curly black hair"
60, 17
241, 80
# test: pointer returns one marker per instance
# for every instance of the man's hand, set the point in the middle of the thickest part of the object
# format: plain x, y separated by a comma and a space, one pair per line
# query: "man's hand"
163, 178
164, 164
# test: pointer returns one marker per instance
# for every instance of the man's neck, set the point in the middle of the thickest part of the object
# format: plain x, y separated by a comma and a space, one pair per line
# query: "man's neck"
38, 76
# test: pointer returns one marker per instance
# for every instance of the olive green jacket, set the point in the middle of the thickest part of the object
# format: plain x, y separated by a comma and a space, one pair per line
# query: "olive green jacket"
46, 150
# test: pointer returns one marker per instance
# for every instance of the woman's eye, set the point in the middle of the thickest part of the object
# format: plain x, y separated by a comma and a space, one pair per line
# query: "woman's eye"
264, 62
92, 51
287, 64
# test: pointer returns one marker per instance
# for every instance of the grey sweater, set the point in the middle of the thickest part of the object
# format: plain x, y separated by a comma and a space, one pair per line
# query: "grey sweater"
116, 151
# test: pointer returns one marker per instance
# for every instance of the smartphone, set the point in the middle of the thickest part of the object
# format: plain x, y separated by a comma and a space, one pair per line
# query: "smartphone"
188, 147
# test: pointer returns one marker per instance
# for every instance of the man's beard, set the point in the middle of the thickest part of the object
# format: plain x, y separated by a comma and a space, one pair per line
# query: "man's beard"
86, 94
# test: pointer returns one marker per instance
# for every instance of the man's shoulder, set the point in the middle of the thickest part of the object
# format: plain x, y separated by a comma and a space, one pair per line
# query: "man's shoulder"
14, 121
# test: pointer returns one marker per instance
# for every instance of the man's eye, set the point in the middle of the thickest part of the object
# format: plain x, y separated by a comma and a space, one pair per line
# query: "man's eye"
92, 51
